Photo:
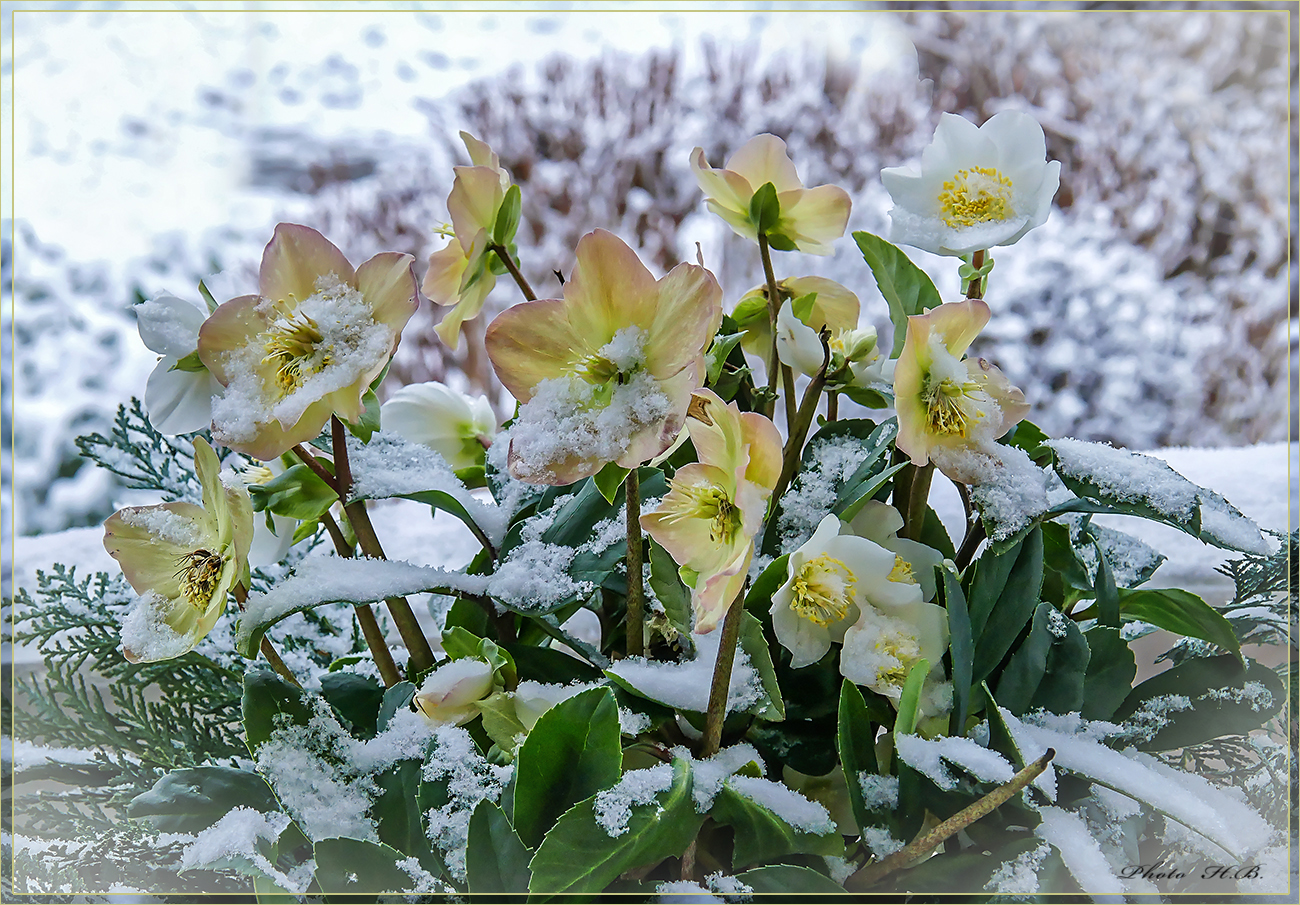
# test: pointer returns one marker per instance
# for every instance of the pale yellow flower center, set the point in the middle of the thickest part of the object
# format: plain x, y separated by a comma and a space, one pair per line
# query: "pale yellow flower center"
902, 572
823, 590
947, 409
708, 502
899, 653
199, 573
977, 195
256, 474
293, 346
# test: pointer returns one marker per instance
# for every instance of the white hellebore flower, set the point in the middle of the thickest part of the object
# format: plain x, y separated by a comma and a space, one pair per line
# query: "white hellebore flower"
977, 186
458, 427
800, 346
886, 642
881, 522
271, 542
450, 694
832, 579
532, 699
178, 396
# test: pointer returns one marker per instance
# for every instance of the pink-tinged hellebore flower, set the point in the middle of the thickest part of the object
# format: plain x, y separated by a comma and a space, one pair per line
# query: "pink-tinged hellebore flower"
182, 560
450, 694
606, 373
832, 578
977, 186
178, 396
458, 427
714, 507
810, 218
950, 409
308, 346
833, 306
460, 274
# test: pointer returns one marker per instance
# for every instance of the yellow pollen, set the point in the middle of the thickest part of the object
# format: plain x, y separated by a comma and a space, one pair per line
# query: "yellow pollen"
292, 345
903, 651
709, 502
902, 572
945, 411
977, 195
823, 590
199, 573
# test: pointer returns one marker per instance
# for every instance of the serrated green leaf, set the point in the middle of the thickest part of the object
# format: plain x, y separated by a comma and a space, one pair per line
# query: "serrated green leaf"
397, 812
668, 588
759, 597
855, 741
962, 647
1111, 670
1107, 593
770, 706
1047, 670
358, 867
356, 699
609, 479
779, 879
905, 286
267, 700
495, 860
1014, 606
717, 355
396, 698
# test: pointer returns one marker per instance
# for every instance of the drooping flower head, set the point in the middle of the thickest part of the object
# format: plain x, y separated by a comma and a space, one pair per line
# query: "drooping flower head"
456, 426
886, 642
178, 396
460, 274
832, 578
308, 346
977, 186
714, 507
810, 219
182, 560
606, 373
950, 407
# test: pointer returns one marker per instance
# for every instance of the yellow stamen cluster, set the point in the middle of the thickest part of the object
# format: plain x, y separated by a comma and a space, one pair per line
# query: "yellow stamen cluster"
977, 195
947, 411
292, 345
823, 590
903, 651
902, 572
199, 573
599, 370
706, 501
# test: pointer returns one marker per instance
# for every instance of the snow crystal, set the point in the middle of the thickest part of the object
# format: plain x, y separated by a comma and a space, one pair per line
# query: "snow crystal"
422, 882
1018, 877
352, 344
708, 775
686, 685
563, 421
927, 757
1117, 807
1129, 558
1129, 477
535, 574
879, 793
165, 525
682, 891
728, 886
831, 462
1079, 850
1154, 714
801, 813
632, 723
1222, 521
637, 787
145, 632
236, 836
839, 868
1010, 490
881, 841
1256, 694
334, 578
24, 755
470, 779
1057, 624
392, 466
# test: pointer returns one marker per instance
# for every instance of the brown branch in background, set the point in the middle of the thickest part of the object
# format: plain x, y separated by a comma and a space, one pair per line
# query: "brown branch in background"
635, 591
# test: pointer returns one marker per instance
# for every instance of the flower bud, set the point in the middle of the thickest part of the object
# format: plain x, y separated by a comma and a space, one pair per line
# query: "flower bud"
451, 692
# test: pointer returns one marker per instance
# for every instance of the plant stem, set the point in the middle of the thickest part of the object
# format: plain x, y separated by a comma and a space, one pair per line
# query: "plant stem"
799, 429
975, 288
975, 534
918, 500
341, 545
832, 406
313, 463
773, 308
722, 676
787, 388
873, 873
635, 591
504, 255
268, 649
398, 608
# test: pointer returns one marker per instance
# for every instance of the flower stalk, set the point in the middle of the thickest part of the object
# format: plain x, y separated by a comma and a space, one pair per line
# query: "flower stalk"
802, 422
918, 498
268, 649
773, 309
635, 589
722, 676
509, 262
975, 286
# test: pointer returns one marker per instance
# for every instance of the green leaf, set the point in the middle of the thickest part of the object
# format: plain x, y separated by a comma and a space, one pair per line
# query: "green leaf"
716, 357
1225, 700
297, 493
357, 867
1107, 593
1182, 613
778, 879
1099, 495
1016, 600
397, 811
781, 242
550, 666
368, 423
764, 208
207, 297
396, 698
761, 835
190, 363
267, 700
500, 721
770, 706
668, 588
1028, 436
802, 307
356, 699
769, 581
904, 285
910, 698
855, 741
572, 753
934, 535
193, 799
609, 479
962, 648
1047, 670
459, 642
578, 855
495, 860
1065, 577
507, 222
1111, 670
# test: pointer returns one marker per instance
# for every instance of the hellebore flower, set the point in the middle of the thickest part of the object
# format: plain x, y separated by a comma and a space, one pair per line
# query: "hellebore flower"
799, 345
308, 346
832, 306
714, 507
178, 396
458, 427
810, 219
606, 373
182, 560
461, 274
950, 410
880, 522
833, 577
884, 644
450, 694
272, 533
976, 188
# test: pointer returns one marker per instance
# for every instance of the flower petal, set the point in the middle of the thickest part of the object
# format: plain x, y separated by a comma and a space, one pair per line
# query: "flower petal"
765, 454
813, 218
387, 283
295, 258
234, 325
446, 268
148, 542
729, 190
179, 402
169, 325
609, 289
688, 313
806, 641
797, 344
475, 199
712, 596
532, 342
764, 159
